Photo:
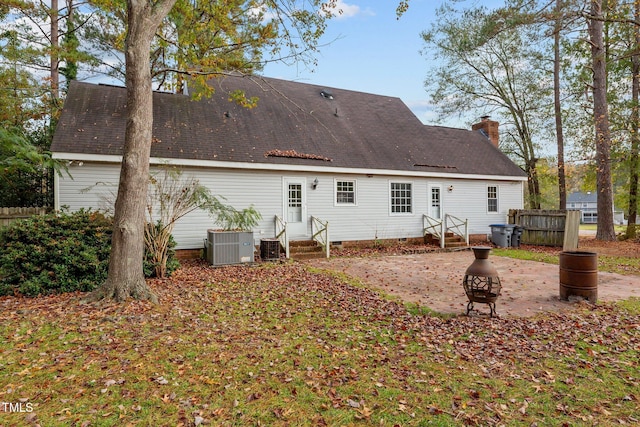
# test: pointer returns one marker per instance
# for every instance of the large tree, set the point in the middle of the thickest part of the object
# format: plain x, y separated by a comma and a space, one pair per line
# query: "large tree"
126, 277
47, 34
202, 39
25, 112
634, 158
622, 38
595, 24
521, 17
489, 68
557, 104
31, 61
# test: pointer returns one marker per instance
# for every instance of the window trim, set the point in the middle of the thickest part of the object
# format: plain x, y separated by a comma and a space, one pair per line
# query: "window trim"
335, 192
411, 206
497, 199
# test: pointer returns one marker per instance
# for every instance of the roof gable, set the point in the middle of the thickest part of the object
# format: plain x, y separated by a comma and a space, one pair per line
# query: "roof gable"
579, 197
292, 124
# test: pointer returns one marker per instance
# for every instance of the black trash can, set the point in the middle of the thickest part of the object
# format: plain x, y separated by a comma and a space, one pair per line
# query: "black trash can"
516, 235
501, 234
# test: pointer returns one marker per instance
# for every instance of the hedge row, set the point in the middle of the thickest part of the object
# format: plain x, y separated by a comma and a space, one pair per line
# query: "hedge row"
54, 253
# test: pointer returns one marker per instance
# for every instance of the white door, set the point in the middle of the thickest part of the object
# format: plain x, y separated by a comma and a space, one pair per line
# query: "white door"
435, 201
295, 206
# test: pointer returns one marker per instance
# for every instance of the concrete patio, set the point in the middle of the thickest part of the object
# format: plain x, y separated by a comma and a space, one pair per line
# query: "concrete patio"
435, 280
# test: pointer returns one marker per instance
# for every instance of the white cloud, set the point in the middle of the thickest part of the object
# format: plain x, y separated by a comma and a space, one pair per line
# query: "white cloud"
343, 10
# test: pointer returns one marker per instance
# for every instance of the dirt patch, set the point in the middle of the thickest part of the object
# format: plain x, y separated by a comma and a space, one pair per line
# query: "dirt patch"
625, 248
434, 279
621, 248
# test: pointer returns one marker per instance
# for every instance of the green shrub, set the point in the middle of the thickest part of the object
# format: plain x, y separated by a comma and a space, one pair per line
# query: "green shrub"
172, 262
54, 253
60, 252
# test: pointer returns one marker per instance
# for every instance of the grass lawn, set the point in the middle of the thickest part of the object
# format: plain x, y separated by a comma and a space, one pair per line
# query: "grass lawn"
612, 264
626, 263
280, 345
593, 227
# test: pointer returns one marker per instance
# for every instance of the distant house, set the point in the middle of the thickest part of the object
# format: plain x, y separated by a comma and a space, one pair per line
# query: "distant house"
587, 204
360, 162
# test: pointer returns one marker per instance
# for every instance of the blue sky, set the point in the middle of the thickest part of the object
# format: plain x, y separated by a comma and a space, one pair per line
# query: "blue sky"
372, 51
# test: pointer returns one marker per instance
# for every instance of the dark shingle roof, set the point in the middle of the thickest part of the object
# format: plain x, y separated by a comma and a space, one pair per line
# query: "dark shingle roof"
292, 124
579, 197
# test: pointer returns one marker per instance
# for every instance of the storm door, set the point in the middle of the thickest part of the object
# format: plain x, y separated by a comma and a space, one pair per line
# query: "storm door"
435, 201
295, 206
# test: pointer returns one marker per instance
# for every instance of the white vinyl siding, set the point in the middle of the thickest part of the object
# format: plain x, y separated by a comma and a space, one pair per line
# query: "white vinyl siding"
370, 218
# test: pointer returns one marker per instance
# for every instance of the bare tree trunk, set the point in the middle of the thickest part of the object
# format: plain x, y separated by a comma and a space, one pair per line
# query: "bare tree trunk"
531, 165
562, 186
522, 138
126, 276
53, 57
604, 188
533, 185
635, 138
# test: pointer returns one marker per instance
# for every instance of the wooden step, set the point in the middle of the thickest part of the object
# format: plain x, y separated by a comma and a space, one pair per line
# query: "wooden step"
305, 249
450, 240
459, 244
302, 243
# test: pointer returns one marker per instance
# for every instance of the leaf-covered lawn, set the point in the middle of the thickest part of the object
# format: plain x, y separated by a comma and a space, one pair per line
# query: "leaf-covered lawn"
278, 345
615, 257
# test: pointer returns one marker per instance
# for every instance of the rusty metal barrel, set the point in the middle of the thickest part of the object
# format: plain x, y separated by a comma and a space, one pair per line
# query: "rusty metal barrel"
579, 275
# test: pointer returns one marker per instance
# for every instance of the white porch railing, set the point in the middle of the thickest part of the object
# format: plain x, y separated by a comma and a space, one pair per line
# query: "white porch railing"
457, 226
439, 228
433, 226
281, 234
320, 233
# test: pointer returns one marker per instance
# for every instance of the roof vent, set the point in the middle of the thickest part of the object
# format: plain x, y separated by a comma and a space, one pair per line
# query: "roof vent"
326, 93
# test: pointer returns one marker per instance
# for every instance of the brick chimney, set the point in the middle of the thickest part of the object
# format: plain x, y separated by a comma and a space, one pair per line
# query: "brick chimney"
489, 128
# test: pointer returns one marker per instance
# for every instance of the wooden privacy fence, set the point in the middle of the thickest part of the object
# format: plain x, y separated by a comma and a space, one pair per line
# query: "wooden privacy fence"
8, 215
547, 227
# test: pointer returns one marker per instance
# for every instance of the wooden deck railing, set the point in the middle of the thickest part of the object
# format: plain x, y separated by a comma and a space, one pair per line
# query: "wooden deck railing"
320, 233
457, 226
433, 226
439, 228
281, 234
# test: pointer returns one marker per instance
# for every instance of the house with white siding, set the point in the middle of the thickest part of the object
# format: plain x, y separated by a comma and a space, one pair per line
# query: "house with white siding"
361, 165
587, 204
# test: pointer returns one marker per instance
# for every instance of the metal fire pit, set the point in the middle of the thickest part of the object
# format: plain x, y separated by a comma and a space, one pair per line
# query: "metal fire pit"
481, 282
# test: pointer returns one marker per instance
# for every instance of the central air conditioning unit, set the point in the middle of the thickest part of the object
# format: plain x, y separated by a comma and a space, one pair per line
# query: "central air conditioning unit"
229, 247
